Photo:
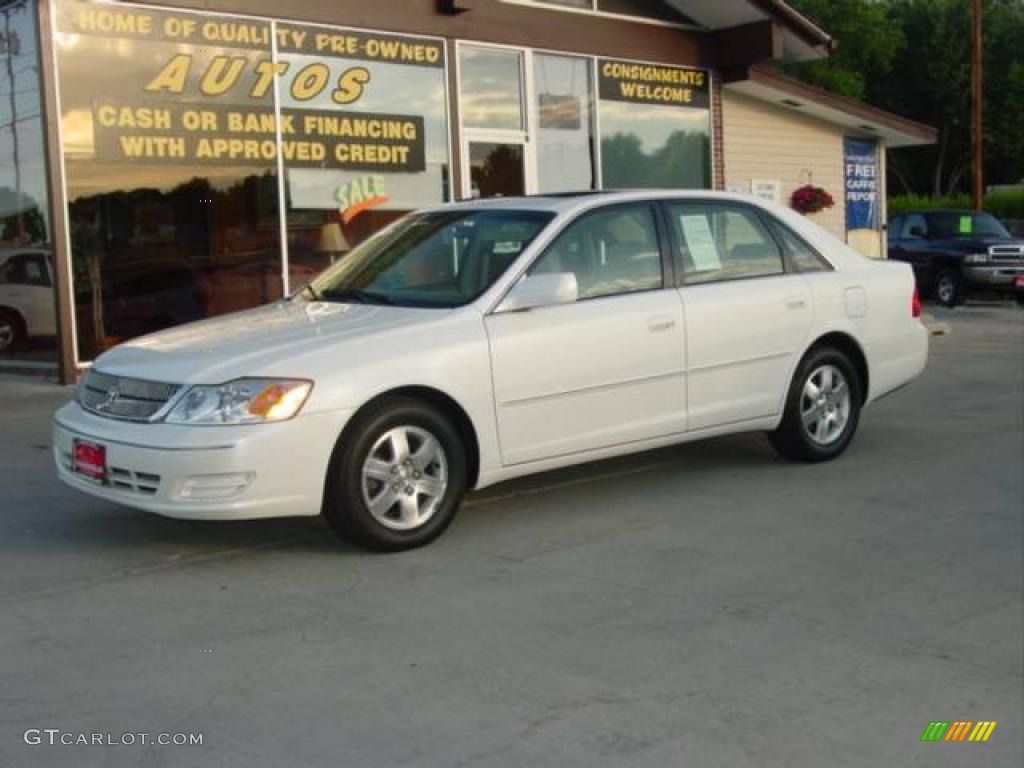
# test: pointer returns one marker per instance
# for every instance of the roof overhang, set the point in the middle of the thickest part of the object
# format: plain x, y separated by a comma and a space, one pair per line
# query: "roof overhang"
800, 39
860, 118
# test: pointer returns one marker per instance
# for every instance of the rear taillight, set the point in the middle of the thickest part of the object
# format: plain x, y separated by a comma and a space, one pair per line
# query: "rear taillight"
915, 304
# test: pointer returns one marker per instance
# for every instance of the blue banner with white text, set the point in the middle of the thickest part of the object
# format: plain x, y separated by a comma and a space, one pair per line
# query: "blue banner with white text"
862, 185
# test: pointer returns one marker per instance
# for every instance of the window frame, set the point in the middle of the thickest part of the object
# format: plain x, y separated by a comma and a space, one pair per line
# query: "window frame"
776, 226
753, 210
664, 254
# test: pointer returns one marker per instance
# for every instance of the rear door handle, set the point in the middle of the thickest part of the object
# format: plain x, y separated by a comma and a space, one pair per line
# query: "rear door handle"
796, 302
660, 323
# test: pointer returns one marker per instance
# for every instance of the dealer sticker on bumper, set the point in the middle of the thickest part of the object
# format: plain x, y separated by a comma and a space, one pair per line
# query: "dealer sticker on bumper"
90, 460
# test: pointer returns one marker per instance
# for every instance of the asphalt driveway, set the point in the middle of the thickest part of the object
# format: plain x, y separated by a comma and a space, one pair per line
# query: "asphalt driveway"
706, 605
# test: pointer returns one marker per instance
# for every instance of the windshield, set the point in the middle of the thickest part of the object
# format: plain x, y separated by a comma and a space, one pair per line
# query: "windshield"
439, 259
966, 225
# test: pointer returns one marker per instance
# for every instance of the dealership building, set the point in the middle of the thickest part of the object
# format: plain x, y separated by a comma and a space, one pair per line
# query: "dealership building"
168, 161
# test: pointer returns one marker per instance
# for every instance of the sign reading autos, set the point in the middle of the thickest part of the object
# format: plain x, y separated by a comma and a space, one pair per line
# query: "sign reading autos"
208, 97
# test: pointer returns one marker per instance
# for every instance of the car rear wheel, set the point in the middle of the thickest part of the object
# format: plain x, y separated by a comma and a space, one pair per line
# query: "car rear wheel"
822, 408
949, 288
396, 478
12, 331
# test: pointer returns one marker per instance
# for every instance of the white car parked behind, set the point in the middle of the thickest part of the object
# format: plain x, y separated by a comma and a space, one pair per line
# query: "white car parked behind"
480, 341
26, 296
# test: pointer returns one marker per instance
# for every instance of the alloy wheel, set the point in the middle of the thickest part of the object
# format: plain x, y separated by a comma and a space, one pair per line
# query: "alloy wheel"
825, 404
404, 478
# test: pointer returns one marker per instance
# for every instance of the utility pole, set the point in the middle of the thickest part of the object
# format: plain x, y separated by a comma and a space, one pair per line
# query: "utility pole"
977, 105
9, 46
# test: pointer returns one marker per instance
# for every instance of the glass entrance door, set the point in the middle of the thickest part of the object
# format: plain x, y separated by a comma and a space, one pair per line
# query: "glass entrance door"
497, 169
496, 130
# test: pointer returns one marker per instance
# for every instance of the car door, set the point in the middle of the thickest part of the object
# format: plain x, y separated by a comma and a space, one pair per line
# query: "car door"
914, 248
746, 317
607, 369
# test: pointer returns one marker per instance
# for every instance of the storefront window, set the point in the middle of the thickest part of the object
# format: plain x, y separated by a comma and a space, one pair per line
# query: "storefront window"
655, 126
565, 125
492, 88
171, 171
368, 147
28, 323
172, 164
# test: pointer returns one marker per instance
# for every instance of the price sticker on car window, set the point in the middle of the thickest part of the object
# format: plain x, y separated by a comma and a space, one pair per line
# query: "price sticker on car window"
966, 225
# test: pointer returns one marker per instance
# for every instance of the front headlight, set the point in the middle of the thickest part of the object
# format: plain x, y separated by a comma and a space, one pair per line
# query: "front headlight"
976, 258
243, 401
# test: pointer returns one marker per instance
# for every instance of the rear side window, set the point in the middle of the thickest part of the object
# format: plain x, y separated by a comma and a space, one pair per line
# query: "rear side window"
611, 251
718, 242
801, 255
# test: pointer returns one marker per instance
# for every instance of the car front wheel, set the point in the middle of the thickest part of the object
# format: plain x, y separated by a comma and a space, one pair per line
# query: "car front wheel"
396, 478
949, 288
822, 408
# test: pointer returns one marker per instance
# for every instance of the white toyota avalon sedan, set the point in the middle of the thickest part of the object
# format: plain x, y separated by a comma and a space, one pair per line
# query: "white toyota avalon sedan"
475, 342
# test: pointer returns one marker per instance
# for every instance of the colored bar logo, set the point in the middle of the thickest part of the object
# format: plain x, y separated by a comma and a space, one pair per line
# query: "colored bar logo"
958, 730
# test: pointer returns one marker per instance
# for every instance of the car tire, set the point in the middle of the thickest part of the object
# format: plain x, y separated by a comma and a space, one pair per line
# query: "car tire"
949, 288
378, 494
12, 331
822, 407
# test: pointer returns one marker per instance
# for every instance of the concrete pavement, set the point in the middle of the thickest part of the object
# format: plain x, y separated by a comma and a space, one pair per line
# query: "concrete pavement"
705, 605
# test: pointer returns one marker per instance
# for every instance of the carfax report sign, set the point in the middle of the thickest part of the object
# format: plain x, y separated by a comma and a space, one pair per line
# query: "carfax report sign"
207, 91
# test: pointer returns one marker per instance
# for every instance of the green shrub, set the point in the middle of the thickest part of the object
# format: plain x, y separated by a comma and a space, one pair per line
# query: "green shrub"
1006, 204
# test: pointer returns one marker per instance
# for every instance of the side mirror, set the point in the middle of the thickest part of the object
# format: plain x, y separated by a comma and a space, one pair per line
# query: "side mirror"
916, 231
535, 291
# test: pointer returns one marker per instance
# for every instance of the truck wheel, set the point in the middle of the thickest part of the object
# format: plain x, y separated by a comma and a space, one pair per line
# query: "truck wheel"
949, 288
822, 408
397, 476
12, 331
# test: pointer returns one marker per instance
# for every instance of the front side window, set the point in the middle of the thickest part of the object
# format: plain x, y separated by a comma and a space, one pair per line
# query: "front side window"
722, 242
611, 252
915, 226
25, 269
438, 259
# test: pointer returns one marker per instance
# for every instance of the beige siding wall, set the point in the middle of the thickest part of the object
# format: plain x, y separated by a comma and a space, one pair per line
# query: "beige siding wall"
765, 142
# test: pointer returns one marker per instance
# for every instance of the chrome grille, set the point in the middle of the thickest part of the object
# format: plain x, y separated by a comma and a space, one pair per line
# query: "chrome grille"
123, 398
1001, 252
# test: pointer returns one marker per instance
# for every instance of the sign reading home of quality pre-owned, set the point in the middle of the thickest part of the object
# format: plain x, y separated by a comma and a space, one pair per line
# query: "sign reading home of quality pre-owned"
653, 84
861, 163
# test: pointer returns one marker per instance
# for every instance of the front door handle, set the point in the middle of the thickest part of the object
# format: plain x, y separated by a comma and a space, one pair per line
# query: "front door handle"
796, 302
661, 323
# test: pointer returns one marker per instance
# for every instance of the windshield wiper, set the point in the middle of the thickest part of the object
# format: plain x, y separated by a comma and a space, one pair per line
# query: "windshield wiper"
356, 295
308, 288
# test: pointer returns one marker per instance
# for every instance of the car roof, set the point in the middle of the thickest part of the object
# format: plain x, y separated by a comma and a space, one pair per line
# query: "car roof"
569, 201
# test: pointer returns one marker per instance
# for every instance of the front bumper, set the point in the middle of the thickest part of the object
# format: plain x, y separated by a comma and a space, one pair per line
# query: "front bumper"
205, 473
996, 276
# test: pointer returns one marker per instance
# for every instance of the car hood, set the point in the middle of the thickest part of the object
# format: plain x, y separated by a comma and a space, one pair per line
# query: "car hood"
256, 342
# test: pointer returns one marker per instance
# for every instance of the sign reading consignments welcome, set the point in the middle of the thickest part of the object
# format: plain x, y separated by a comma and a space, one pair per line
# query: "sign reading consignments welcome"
653, 84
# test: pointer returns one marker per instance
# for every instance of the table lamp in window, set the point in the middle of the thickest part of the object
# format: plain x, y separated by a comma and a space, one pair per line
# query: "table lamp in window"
332, 241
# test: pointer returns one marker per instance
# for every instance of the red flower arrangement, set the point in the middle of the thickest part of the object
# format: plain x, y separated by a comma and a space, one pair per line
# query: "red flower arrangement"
811, 199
